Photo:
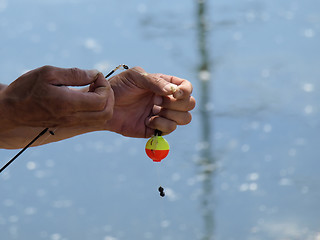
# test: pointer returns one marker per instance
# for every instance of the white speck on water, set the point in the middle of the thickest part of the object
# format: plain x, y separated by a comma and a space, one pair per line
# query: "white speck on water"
93, 45
267, 128
245, 148
148, 235
308, 87
55, 236
309, 33
250, 16
191, 181
253, 186
109, 238
13, 219
244, 187
165, 223
204, 75
102, 66
50, 163
285, 182
30, 211
233, 143
8, 202
62, 203
40, 174
202, 145
209, 106
255, 125
172, 196
237, 36
300, 141
142, 8
3, 5
289, 15
5, 175
107, 228
253, 176
176, 177
31, 165
248, 187
308, 109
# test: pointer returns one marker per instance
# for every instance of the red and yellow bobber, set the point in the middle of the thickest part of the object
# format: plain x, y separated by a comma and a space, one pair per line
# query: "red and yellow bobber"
157, 148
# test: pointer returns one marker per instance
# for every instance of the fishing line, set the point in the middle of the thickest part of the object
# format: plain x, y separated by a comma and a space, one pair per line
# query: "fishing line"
52, 132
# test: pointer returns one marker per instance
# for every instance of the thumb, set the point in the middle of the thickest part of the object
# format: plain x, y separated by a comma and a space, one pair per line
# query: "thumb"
69, 76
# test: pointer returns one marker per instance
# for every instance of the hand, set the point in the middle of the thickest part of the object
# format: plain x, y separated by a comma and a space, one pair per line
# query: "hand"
41, 98
145, 102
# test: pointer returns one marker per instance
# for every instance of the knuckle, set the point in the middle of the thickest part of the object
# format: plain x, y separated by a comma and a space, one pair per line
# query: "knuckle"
192, 103
45, 73
45, 68
187, 119
75, 72
171, 126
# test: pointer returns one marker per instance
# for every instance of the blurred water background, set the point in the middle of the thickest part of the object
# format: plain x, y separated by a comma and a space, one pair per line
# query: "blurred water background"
247, 167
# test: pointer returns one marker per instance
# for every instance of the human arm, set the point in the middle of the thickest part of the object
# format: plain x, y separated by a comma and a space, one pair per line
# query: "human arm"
142, 103
41, 98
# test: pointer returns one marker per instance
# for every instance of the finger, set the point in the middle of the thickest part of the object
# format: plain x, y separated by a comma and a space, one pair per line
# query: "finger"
151, 82
186, 104
181, 118
97, 98
164, 125
67, 76
183, 87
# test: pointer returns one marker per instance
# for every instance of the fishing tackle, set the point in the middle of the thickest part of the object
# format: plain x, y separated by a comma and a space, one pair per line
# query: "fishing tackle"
121, 66
161, 190
157, 148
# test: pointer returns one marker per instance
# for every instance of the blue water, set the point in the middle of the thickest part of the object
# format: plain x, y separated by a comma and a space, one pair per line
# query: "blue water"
264, 123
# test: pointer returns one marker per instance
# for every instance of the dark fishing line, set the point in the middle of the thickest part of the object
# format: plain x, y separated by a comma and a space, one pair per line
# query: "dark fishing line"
25, 148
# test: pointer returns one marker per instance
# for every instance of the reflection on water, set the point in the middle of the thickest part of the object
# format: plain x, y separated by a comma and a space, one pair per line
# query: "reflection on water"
206, 161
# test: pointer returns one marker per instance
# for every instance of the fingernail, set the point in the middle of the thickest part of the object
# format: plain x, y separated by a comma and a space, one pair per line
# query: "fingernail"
172, 88
157, 100
93, 73
178, 94
156, 110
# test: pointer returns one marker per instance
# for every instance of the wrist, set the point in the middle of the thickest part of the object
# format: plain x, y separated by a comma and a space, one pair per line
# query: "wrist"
5, 122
